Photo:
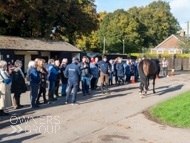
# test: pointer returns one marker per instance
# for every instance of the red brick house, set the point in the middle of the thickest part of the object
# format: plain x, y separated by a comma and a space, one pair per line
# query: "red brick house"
168, 46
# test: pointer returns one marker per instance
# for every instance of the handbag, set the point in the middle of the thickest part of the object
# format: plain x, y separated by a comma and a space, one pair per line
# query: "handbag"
6, 81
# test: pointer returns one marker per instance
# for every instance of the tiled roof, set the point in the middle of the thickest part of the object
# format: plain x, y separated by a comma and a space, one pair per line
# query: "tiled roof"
170, 42
19, 43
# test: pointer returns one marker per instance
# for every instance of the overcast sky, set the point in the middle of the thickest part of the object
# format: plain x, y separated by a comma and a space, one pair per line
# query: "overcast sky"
179, 8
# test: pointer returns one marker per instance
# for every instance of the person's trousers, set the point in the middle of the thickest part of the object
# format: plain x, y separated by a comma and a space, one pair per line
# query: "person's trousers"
165, 71
42, 91
96, 82
128, 77
120, 78
116, 78
72, 85
17, 95
34, 92
85, 84
136, 75
64, 87
93, 81
104, 78
56, 87
111, 78
51, 85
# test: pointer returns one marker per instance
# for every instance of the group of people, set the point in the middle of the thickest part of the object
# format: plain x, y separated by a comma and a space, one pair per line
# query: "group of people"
55, 73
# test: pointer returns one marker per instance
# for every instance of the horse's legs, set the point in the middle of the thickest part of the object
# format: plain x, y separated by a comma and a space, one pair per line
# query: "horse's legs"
147, 83
146, 86
141, 87
154, 77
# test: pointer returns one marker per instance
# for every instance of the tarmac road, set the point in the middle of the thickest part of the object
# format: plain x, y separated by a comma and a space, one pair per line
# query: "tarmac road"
114, 118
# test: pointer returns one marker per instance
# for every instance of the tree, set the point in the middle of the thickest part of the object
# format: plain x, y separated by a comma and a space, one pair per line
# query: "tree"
158, 23
45, 18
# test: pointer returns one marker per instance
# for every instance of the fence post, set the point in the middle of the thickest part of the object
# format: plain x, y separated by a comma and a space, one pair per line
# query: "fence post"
173, 61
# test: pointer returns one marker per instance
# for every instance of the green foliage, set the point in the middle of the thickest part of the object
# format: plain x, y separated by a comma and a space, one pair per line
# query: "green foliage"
60, 18
174, 111
165, 55
152, 56
138, 27
183, 56
136, 54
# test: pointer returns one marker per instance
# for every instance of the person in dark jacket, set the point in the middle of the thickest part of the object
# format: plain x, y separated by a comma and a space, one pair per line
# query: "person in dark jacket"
43, 76
34, 83
105, 68
85, 76
127, 71
132, 68
136, 70
73, 72
115, 70
18, 83
63, 78
95, 73
120, 71
111, 73
96, 82
57, 67
52, 77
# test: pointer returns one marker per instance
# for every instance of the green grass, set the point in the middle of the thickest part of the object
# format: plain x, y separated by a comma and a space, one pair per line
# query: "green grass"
175, 111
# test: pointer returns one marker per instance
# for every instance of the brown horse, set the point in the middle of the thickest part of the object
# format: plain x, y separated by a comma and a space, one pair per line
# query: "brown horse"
147, 68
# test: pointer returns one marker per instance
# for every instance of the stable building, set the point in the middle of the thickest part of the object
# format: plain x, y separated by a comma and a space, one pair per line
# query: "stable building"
168, 46
26, 49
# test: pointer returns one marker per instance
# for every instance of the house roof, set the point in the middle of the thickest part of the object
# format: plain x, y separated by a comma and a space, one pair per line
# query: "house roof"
29, 44
168, 44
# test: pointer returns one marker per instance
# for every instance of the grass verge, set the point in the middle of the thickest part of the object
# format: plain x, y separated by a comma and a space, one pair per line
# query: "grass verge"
175, 111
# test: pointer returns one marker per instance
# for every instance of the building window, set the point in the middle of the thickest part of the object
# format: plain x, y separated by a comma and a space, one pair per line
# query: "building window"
172, 52
160, 52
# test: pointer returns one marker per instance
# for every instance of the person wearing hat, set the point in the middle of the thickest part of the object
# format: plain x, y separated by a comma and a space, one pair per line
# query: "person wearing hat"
72, 72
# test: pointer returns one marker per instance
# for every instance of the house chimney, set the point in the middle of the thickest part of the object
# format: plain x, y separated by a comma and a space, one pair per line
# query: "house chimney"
182, 33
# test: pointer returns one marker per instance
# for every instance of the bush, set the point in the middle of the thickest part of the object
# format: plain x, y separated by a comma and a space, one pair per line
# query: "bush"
152, 56
183, 56
165, 55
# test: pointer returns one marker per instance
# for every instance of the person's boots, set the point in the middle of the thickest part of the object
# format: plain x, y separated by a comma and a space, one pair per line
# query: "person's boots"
102, 89
50, 96
20, 106
2, 113
107, 92
54, 93
63, 93
15, 102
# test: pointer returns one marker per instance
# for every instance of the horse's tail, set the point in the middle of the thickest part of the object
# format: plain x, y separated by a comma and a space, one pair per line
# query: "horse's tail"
143, 77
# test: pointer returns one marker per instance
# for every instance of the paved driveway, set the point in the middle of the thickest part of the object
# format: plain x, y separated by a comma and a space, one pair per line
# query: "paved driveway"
98, 119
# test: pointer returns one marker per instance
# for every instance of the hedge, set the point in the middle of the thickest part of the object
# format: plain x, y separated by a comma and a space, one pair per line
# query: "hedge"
140, 55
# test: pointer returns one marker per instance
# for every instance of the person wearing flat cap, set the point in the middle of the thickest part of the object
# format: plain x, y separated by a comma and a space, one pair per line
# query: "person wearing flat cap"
72, 72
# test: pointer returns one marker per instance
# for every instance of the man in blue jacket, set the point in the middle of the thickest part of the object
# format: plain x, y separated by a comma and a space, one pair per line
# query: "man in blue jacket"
105, 68
34, 83
72, 72
52, 77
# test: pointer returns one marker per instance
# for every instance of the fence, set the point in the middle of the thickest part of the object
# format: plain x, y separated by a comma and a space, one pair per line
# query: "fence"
178, 64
